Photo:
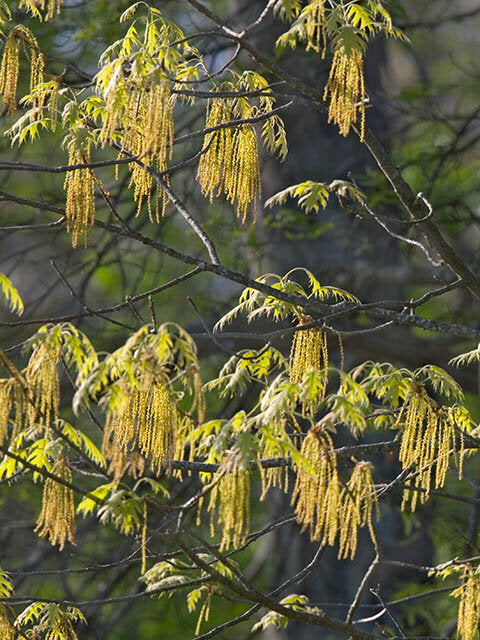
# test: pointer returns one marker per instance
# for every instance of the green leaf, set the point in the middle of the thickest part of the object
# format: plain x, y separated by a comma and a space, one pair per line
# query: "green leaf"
11, 294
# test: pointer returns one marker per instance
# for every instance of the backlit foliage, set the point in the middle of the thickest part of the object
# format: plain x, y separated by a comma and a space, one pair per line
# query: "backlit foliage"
161, 450
57, 517
50, 620
11, 294
36, 6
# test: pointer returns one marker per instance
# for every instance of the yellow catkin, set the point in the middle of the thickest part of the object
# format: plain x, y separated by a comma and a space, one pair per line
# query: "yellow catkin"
144, 538
233, 492
272, 448
308, 351
7, 630
146, 420
345, 90
56, 519
113, 109
316, 491
149, 131
429, 436
242, 174
10, 66
359, 502
273, 477
119, 461
182, 445
6, 402
469, 607
316, 27
79, 185
218, 145
230, 163
9, 73
53, 102
43, 381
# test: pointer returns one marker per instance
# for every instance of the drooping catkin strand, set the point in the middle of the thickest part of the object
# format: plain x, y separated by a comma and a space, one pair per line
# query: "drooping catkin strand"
53, 102
429, 437
233, 515
9, 74
345, 90
358, 502
42, 377
146, 420
56, 519
10, 66
316, 27
7, 630
79, 185
185, 426
469, 607
144, 538
148, 133
316, 492
6, 402
230, 163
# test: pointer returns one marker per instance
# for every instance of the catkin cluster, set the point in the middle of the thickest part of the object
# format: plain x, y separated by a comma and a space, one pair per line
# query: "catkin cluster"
43, 382
233, 514
321, 506
359, 502
79, 185
469, 607
428, 439
345, 90
316, 27
7, 630
56, 519
13, 407
148, 133
316, 494
308, 351
10, 66
145, 420
229, 164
